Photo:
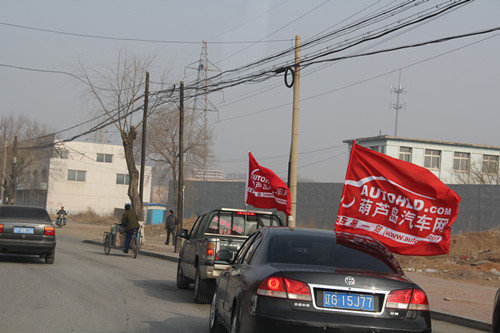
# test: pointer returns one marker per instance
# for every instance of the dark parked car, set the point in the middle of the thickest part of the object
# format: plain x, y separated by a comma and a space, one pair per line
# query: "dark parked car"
495, 322
218, 229
27, 230
308, 280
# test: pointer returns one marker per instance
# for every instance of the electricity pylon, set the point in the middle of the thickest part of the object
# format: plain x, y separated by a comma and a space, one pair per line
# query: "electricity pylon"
201, 104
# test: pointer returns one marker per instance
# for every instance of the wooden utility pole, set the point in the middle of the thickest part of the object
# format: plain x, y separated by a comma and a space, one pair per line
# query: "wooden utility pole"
13, 175
4, 171
180, 187
143, 153
292, 181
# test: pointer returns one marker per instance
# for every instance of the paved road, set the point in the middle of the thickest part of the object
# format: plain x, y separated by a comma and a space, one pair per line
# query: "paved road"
87, 291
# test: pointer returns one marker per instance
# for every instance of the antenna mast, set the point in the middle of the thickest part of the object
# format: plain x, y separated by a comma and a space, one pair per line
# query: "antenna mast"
398, 106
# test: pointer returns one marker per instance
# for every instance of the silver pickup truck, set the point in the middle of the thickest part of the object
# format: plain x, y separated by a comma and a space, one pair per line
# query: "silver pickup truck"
218, 229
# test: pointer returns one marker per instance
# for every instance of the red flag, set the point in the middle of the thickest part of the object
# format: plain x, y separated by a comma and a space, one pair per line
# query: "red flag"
403, 205
264, 189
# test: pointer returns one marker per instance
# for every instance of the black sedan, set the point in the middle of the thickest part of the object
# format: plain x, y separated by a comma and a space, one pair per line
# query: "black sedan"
27, 230
308, 280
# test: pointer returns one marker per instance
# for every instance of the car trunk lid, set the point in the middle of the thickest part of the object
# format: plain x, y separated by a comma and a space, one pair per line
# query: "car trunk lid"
367, 290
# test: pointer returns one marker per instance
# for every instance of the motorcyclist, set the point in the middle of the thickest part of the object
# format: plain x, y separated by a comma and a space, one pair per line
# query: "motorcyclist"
61, 212
61, 216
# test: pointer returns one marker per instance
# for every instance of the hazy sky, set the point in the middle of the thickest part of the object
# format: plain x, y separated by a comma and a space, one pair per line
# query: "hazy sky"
453, 96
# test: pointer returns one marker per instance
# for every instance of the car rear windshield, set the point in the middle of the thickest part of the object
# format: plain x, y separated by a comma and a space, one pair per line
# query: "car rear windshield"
16, 212
240, 223
325, 251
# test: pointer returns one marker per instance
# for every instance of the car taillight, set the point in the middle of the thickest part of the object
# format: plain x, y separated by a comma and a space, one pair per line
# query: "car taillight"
276, 286
298, 290
245, 213
273, 286
408, 299
50, 231
210, 249
1, 228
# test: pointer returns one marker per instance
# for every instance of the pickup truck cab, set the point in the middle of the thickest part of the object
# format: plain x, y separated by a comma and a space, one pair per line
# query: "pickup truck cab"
218, 229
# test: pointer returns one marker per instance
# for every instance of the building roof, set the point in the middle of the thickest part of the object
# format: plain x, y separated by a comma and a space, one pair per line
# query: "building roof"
395, 138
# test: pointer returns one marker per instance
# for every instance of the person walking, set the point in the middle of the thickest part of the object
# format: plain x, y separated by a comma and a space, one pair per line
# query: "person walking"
131, 223
171, 226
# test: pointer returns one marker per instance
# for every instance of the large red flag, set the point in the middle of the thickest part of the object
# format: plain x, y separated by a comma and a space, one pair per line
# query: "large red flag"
403, 205
264, 189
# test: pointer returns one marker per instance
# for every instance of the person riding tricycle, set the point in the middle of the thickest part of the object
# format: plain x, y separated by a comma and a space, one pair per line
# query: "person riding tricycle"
129, 228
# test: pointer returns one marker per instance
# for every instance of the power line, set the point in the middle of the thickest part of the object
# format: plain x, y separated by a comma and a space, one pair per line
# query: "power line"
272, 33
271, 73
136, 39
361, 81
283, 156
251, 20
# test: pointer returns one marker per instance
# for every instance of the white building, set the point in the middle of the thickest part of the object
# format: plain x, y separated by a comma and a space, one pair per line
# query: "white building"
452, 162
84, 175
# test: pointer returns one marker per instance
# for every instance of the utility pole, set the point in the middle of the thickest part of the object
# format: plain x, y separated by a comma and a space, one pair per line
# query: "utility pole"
143, 153
398, 106
180, 187
292, 173
13, 175
3, 172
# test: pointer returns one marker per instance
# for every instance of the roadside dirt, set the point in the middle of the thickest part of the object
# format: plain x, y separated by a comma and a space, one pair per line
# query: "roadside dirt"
474, 257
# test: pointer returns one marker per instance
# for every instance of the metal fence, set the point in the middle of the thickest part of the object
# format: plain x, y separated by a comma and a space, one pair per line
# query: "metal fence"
317, 203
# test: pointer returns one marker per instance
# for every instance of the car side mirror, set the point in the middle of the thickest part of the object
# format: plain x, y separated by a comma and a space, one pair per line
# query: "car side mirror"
183, 234
225, 256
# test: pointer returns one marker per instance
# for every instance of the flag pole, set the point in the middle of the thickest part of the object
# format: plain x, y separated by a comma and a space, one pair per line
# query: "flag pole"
246, 195
346, 173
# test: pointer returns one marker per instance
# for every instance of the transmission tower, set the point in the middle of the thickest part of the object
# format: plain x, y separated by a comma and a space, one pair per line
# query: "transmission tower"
398, 106
201, 104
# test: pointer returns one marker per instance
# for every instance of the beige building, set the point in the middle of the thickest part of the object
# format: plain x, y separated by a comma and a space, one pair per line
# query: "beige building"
85, 175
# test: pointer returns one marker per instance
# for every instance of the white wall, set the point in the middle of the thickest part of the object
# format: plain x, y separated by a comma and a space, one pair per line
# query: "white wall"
99, 192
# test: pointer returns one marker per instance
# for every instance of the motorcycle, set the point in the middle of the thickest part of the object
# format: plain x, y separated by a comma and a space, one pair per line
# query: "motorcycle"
61, 220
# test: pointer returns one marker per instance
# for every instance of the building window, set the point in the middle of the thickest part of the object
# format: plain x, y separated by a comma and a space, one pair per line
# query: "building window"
122, 179
77, 175
405, 154
380, 149
490, 164
60, 153
461, 161
104, 158
432, 159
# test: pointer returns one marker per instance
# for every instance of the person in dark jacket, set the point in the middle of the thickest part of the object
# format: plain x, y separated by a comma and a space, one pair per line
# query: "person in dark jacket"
171, 226
131, 223
62, 211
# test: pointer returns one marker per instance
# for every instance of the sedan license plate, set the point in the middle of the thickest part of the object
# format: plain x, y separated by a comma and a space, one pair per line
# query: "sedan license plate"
24, 230
348, 301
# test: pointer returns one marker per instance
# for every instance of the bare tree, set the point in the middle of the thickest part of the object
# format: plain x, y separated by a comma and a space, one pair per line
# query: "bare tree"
163, 144
119, 93
479, 174
25, 157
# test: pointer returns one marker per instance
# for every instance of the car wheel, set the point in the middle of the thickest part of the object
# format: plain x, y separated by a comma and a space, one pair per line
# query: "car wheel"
235, 320
182, 281
201, 289
213, 319
50, 257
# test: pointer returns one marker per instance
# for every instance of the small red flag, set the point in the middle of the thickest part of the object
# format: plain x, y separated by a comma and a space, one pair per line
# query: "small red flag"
264, 189
404, 206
